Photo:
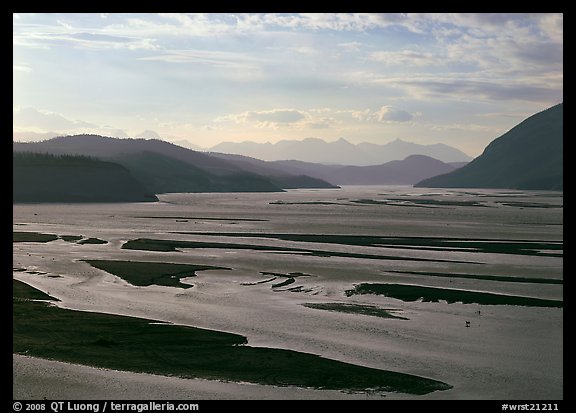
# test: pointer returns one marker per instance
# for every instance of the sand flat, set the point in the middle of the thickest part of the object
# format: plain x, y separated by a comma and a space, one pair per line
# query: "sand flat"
508, 352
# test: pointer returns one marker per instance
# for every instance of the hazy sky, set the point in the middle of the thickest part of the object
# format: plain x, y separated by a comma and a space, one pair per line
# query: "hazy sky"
460, 79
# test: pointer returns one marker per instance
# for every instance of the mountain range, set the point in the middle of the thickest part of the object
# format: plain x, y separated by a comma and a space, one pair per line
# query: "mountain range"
163, 167
340, 152
408, 171
528, 156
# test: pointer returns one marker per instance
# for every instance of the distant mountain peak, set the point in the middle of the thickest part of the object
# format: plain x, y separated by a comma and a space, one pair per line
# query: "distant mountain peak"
341, 151
149, 134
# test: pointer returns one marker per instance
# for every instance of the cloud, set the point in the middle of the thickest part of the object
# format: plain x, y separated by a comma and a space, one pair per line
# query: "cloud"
392, 114
21, 68
318, 118
305, 50
321, 123
267, 118
350, 46
60, 33
333, 21
32, 118
552, 26
407, 57
206, 57
360, 115
276, 116
512, 86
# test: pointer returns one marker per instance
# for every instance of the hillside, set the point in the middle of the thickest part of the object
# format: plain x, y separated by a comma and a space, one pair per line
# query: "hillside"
164, 174
528, 156
159, 165
404, 172
276, 173
47, 178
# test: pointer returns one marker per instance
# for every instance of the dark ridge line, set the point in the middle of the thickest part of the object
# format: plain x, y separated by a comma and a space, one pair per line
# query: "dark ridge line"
504, 278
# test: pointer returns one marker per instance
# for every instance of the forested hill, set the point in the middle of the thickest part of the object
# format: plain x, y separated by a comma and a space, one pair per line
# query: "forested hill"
528, 156
66, 178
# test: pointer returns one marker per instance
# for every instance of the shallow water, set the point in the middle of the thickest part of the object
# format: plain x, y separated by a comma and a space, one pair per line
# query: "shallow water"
509, 352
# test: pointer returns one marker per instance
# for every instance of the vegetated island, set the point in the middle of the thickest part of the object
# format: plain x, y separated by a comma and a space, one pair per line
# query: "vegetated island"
407, 292
29, 236
145, 273
362, 309
66, 178
143, 345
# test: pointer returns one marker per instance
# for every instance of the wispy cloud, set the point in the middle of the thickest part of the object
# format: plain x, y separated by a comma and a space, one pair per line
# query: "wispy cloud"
44, 120
206, 57
92, 40
475, 88
407, 57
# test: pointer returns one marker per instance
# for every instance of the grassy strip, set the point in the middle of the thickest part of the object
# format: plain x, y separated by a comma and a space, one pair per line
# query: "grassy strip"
22, 291
148, 244
205, 218
431, 294
530, 205
498, 246
485, 277
438, 202
20, 236
71, 238
370, 310
134, 344
142, 273
305, 203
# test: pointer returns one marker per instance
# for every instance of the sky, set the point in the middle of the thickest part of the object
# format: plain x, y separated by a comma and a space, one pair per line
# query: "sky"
458, 79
